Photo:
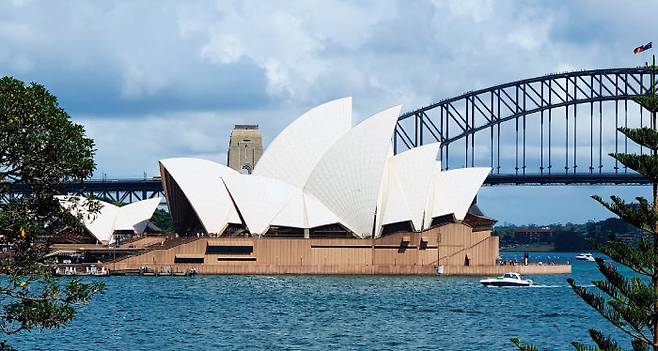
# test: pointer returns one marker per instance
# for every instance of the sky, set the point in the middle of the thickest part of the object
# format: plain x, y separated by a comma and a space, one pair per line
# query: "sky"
158, 79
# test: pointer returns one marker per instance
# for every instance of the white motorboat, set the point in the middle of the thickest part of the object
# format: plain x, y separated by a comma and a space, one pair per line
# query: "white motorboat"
585, 257
510, 279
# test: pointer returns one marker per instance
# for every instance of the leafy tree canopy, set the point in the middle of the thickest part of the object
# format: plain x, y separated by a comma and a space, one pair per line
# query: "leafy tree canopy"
41, 147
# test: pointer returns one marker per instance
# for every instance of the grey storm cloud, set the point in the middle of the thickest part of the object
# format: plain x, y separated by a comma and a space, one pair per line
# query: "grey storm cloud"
156, 79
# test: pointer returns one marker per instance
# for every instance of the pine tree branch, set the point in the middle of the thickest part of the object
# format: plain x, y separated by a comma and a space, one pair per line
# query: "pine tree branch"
599, 304
523, 347
582, 347
633, 290
605, 343
649, 102
637, 259
640, 214
639, 345
645, 136
646, 165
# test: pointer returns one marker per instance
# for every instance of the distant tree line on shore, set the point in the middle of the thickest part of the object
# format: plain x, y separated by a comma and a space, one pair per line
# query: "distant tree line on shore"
569, 236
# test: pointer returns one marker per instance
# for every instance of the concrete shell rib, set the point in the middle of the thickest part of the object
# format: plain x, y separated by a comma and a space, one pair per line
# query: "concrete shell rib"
294, 153
135, 216
348, 177
201, 182
409, 183
454, 190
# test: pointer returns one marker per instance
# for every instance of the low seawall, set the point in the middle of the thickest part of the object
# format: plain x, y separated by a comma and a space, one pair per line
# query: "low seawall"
531, 269
180, 269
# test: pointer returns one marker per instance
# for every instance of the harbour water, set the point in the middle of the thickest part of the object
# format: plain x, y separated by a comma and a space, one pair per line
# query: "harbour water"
327, 312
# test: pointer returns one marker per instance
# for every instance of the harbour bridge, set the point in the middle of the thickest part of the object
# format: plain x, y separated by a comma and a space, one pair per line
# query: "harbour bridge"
554, 129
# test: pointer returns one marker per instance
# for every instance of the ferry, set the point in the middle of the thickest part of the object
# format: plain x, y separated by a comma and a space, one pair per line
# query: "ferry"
509, 279
585, 257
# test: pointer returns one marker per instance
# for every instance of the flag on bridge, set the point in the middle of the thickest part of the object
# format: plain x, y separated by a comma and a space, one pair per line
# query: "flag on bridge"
640, 49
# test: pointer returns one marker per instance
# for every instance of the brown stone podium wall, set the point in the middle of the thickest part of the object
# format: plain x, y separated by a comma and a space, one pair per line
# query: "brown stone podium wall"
458, 243
400, 253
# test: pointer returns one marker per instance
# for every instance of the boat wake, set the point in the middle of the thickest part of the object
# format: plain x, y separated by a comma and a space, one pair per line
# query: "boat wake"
559, 286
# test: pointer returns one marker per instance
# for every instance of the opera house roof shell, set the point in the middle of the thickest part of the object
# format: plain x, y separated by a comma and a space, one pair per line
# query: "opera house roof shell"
110, 218
320, 171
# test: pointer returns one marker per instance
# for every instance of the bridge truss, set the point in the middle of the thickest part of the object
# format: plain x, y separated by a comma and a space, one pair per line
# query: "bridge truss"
555, 128
113, 190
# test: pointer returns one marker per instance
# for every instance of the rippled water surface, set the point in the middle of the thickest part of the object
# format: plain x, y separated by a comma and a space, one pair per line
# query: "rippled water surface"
325, 312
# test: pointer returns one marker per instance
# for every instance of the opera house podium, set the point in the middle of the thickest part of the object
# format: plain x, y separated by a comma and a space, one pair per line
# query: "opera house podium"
326, 197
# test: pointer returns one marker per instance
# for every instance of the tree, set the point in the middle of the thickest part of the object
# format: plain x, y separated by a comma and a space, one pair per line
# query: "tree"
629, 301
39, 147
163, 220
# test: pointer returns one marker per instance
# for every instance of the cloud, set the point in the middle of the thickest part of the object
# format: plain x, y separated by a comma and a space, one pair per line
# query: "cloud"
156, 79
118, 59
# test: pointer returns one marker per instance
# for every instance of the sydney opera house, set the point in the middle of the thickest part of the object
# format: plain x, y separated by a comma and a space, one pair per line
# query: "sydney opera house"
327, 197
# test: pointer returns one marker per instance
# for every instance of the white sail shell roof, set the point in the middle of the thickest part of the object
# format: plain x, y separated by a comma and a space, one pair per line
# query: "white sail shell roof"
294, 153
303, 210
409, 183
454, 190
317, 214
264, 202
348, 177
319, 171
293, 212
135, 216
201, 182
258, 199
111, 218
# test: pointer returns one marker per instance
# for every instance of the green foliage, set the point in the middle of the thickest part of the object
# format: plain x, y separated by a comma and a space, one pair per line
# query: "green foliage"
506, 233
570, 241
630, 301
523, 347
603, 343
640, 214
572, 237
644, 136
646, 165
163, 220
40, 147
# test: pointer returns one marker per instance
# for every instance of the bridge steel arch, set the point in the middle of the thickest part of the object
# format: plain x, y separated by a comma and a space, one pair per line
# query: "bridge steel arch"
552, 100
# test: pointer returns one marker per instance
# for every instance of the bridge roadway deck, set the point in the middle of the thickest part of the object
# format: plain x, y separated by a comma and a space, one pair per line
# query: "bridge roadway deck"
493, 179
154, 186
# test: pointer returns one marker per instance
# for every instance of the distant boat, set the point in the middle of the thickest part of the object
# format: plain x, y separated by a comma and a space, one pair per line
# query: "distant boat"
510, 279
585, 257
